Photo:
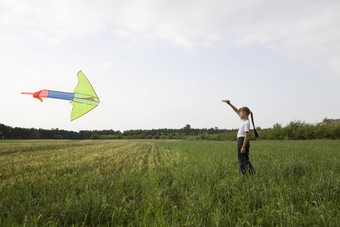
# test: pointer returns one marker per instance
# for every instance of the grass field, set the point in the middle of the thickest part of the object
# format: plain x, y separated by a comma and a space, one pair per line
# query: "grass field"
168, 183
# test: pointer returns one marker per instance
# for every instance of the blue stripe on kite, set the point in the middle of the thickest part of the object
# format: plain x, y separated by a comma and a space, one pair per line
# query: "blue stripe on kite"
60, 95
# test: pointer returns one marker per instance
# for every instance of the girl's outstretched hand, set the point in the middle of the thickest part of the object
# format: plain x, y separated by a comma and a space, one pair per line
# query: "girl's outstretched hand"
226, 101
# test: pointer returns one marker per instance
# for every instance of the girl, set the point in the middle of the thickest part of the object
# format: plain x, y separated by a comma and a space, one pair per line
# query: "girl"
243, 138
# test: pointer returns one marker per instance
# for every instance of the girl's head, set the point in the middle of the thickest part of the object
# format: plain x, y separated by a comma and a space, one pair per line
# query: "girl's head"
244, 113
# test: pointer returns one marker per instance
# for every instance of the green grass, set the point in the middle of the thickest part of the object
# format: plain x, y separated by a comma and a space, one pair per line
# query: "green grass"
168, 183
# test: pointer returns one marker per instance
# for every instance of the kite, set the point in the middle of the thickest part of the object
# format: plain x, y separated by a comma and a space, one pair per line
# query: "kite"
84, 98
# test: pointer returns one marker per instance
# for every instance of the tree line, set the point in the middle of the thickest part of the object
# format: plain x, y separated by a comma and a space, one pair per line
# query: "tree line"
7, 132
295, 130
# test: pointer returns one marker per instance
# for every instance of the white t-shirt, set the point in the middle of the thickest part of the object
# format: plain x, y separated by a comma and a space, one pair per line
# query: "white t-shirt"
245, 126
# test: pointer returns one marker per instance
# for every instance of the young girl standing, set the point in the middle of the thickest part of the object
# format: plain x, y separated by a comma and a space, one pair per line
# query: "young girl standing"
243, 144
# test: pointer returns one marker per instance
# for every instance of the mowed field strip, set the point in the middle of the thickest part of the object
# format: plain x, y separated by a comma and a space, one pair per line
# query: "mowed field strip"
38, 159
168, 183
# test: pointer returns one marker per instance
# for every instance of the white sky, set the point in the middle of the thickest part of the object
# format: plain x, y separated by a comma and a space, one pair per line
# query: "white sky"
164, 64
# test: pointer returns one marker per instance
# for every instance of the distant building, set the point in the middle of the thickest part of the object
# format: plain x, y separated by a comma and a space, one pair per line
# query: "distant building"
334, 121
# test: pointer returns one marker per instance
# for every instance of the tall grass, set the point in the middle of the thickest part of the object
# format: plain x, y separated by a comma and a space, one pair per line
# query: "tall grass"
168, 183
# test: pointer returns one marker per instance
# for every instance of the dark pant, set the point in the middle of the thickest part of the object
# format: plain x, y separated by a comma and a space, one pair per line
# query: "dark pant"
243, 158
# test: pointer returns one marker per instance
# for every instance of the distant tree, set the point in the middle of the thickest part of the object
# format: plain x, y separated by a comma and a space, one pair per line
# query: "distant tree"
95, 137
325, 121
140, 136
58, 137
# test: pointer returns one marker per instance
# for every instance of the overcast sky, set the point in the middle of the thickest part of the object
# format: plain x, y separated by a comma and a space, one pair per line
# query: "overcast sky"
164, 64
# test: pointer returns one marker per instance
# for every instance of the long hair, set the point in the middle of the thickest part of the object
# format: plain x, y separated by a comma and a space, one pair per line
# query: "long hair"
247, 110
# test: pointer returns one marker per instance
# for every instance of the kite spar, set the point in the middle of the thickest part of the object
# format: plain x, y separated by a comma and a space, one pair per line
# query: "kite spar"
84, 98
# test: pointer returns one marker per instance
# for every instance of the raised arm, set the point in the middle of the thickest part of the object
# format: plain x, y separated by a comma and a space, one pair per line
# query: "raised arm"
232, 106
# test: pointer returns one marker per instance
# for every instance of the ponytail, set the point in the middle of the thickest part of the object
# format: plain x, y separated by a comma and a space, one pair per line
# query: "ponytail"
252, 120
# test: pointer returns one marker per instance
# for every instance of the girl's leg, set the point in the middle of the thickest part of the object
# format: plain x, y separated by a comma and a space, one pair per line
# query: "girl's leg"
243, 165
242, 157
250, 167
